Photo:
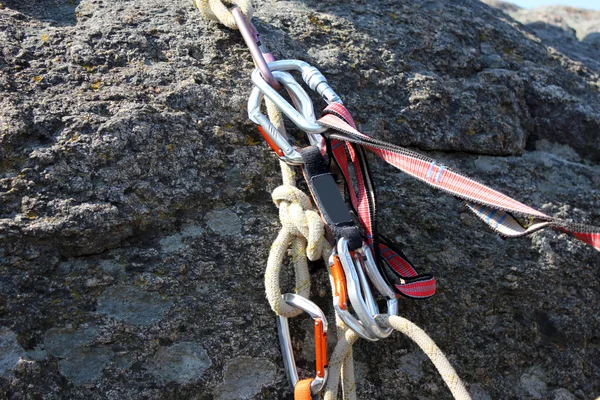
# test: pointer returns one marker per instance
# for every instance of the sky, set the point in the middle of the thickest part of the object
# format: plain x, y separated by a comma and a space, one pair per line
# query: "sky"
591, 4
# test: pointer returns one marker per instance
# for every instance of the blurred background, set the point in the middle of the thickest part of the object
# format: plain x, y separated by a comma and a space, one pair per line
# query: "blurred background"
590, 4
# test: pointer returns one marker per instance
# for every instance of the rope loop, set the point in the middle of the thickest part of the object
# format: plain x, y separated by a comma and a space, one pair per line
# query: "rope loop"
217, 10
301, 231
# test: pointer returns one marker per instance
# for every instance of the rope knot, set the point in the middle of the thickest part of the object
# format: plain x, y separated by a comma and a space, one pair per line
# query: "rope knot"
298, 217
301, 232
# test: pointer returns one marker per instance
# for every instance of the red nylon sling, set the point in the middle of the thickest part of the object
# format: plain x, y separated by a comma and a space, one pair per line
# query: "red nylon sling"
491, 206
400, 273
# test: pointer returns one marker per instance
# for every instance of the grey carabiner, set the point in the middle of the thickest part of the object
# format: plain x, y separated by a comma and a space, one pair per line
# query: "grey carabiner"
311, 75
356, 293
284, 150
285, 342
306, 123
377, 280
364, 284
278, 141
340, 304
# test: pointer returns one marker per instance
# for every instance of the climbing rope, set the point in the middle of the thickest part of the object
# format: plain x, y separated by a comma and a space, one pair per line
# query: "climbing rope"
301, 230
216, 10
439, 360
341, 361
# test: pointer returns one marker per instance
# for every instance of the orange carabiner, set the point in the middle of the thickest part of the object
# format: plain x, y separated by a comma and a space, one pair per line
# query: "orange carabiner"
339, 282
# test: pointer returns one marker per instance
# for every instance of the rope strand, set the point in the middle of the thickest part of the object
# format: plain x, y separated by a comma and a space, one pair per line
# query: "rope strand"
439, 360
216, 10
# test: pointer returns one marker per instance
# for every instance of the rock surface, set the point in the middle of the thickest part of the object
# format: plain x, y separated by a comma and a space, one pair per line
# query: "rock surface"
572, 31
135, 214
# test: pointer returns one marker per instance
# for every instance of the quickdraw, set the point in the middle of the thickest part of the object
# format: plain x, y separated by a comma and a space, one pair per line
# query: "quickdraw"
359, 259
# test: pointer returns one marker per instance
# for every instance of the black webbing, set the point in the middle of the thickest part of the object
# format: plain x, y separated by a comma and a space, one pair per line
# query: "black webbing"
328, 199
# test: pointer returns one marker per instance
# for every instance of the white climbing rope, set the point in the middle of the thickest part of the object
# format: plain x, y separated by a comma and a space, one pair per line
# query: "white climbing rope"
439, 360
216, 10
301, 230
341, 361
341, 367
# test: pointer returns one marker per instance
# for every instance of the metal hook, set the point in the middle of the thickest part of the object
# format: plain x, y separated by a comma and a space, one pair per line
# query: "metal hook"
358, 291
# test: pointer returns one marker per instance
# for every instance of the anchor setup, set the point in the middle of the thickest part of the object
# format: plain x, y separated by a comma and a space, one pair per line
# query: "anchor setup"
342, 230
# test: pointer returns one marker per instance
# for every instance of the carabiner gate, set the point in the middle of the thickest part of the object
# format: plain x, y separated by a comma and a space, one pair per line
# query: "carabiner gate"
311, 75
340, 299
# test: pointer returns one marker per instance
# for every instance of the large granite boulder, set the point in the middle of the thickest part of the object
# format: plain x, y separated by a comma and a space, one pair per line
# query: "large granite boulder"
135, 213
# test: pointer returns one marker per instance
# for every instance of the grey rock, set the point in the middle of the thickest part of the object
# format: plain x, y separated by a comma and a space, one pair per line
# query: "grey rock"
572, 31
10, 351
224, 222
584, 22
181, 362
560, 150
533, 384
174, 243
412, 365
562, 394
37, 354
79, 361
111, 267
70, 266
84, 365
171, 243
61, 342
192, 231
135, 207
132, 305
478, 393
123, 361
244, 378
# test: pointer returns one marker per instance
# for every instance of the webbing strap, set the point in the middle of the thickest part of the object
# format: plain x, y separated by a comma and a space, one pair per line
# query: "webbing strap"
491, 206
395, 267
406, 280
334, 212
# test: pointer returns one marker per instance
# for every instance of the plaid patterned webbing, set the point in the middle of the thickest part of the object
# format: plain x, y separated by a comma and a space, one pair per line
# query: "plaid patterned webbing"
493, 207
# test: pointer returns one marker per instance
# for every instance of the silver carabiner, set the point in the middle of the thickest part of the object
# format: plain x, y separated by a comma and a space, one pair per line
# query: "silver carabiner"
307, 123
311, 75
377, 280
285, 342
358, 291
276, 140
340, 299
